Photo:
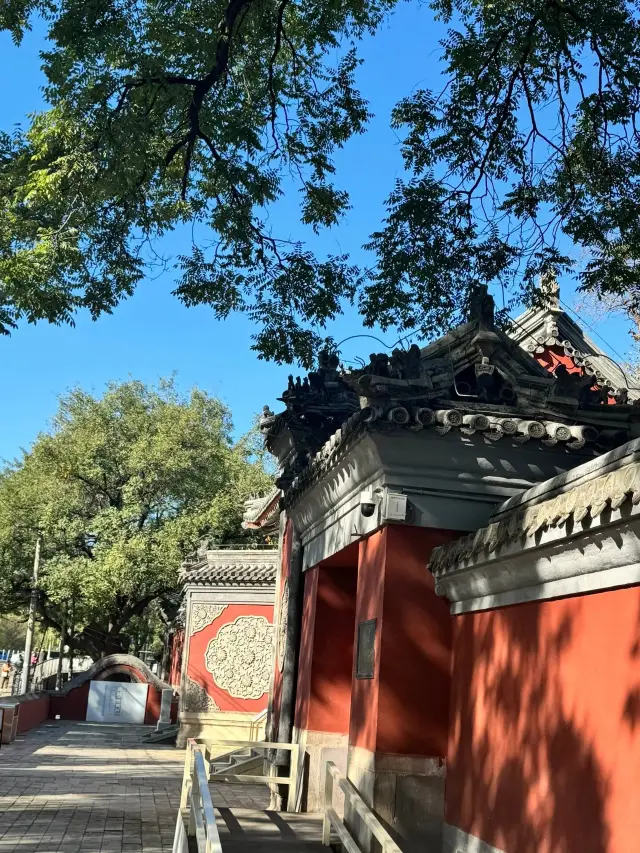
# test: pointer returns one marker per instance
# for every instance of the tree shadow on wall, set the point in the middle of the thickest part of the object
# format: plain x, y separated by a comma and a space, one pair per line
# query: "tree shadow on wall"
631, 711
522, 774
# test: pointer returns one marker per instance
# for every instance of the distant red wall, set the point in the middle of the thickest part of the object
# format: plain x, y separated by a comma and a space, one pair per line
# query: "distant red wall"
33, 712
405, 708
175, 658
544, 752
73, 705
152, 708
323, 696
196, 668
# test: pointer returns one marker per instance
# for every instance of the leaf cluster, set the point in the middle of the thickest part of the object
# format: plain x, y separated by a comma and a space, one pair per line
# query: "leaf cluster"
532, 145
121, 489
165, 113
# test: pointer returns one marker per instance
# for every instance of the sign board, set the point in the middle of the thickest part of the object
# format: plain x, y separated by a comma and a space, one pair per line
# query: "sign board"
365, 654
116, 702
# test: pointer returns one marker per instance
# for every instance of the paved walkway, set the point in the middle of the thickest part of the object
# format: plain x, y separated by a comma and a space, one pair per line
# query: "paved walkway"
74, 787
90, 788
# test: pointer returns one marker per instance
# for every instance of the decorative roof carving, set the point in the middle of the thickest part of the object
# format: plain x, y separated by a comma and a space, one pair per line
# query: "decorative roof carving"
492, 427
474, 379
231, 567
549, 326
262, 512
591, 498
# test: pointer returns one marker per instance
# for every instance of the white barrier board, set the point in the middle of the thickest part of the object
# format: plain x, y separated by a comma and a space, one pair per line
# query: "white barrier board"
116, 702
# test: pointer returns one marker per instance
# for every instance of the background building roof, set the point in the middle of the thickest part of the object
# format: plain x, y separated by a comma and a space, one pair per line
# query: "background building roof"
232, 567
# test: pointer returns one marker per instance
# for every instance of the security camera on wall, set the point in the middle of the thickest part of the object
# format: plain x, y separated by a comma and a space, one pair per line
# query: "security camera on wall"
368, 503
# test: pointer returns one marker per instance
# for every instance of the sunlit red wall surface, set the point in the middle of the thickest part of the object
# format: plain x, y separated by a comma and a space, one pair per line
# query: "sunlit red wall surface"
544, 748
198, 644
404, 708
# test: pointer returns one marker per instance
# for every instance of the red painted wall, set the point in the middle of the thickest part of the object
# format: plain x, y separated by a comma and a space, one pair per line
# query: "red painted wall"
554, 356
175, 658
305, 652
33, 712
198, 644
323, 696
544, 752
363, 723
415, 665
405, 708
72, 706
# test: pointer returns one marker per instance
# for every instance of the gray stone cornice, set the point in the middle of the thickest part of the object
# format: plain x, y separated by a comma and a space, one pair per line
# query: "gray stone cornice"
575, 533
491, 424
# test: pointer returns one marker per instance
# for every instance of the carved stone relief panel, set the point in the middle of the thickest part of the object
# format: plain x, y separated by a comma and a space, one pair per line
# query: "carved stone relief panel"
204, 614
283, 626
197, 699
239, 657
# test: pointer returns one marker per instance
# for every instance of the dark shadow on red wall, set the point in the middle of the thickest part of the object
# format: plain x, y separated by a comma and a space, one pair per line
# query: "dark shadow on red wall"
404, 709
544, 747
323, 696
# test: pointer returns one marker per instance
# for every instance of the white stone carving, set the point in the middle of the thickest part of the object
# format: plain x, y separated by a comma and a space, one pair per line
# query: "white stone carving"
284, 624
197, 699
239, 657
204, 614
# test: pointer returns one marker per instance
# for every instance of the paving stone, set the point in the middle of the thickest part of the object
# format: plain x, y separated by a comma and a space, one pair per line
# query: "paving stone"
83, 788
86, 788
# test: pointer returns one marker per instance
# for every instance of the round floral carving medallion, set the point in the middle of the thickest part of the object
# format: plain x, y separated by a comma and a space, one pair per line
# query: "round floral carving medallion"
239, 657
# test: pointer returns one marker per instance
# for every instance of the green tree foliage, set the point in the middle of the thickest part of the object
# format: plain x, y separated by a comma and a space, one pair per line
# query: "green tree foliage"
534, 138
121, 489
168, 112
164, 113
13, 631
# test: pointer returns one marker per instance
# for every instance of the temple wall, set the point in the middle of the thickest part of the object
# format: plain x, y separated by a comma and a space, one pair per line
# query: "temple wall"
227, 665
399, 718
323, 696
544, 749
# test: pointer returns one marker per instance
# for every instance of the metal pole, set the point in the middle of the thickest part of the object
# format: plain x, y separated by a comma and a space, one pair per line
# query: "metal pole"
71, 635
63, 634
24, 687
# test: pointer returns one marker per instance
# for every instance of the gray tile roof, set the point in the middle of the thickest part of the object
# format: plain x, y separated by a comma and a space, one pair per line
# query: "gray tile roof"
233, 568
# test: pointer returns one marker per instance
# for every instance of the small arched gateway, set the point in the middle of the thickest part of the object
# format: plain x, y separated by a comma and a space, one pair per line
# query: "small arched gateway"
87, 697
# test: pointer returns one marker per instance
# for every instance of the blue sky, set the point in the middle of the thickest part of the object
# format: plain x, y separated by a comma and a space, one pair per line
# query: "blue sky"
152, 335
